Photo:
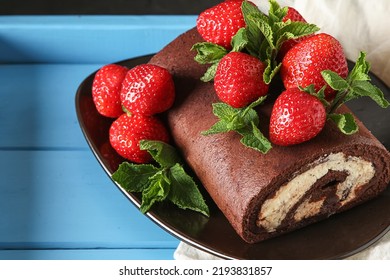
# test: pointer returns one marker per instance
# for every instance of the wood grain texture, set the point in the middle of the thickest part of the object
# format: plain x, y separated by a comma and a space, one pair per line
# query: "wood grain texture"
56, 202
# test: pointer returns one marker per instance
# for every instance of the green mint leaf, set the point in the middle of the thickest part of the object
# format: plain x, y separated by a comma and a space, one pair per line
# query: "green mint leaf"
345, 122
356, 85
274, 32
321, 96
242, 120
134, 177
157, 190
163, 153
224, 111
157, 183
240, 40
233, 118
209, 75
261, 22
255, 37
254, 139
246, 117
365, 88
360, 71
310, 89
257, 102
220, 126
334, 80
229, 119
275, 12
184, 191
271, 70
208, 53
293, 30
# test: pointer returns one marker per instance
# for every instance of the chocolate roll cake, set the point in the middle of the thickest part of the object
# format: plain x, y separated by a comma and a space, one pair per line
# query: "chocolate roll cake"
264, 195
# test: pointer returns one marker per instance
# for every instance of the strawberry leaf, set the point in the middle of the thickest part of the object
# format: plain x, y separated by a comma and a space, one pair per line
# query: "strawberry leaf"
184, 191
345, 122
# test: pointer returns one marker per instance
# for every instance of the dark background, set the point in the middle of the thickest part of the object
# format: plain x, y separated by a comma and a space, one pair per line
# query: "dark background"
104, 7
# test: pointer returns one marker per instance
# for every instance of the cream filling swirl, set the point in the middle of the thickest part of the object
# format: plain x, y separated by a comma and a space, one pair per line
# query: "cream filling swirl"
275, 209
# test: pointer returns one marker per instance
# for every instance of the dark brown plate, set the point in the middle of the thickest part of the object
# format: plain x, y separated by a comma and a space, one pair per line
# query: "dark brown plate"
340, 236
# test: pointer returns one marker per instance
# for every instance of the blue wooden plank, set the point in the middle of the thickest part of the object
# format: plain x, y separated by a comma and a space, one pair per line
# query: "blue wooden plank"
38, 105
62, 199
91, 254
85, 39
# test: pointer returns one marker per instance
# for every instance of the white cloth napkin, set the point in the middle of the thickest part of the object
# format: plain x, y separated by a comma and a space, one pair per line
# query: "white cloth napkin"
359, 25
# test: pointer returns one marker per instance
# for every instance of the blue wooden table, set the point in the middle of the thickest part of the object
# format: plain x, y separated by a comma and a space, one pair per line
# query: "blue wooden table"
56, 202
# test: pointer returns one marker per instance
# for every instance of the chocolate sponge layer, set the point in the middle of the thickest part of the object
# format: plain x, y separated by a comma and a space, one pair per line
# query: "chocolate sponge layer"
267, 195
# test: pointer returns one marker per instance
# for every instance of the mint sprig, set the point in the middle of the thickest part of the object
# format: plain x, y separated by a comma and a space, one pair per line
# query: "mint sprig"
272, 32
357, 84
167, 181
243, 121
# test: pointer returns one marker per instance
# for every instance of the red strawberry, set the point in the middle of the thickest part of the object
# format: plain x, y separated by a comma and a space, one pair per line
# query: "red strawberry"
238, 79
296, 117
302, 65
147, 89
128, 130
221, 22
292, 15
106, 88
